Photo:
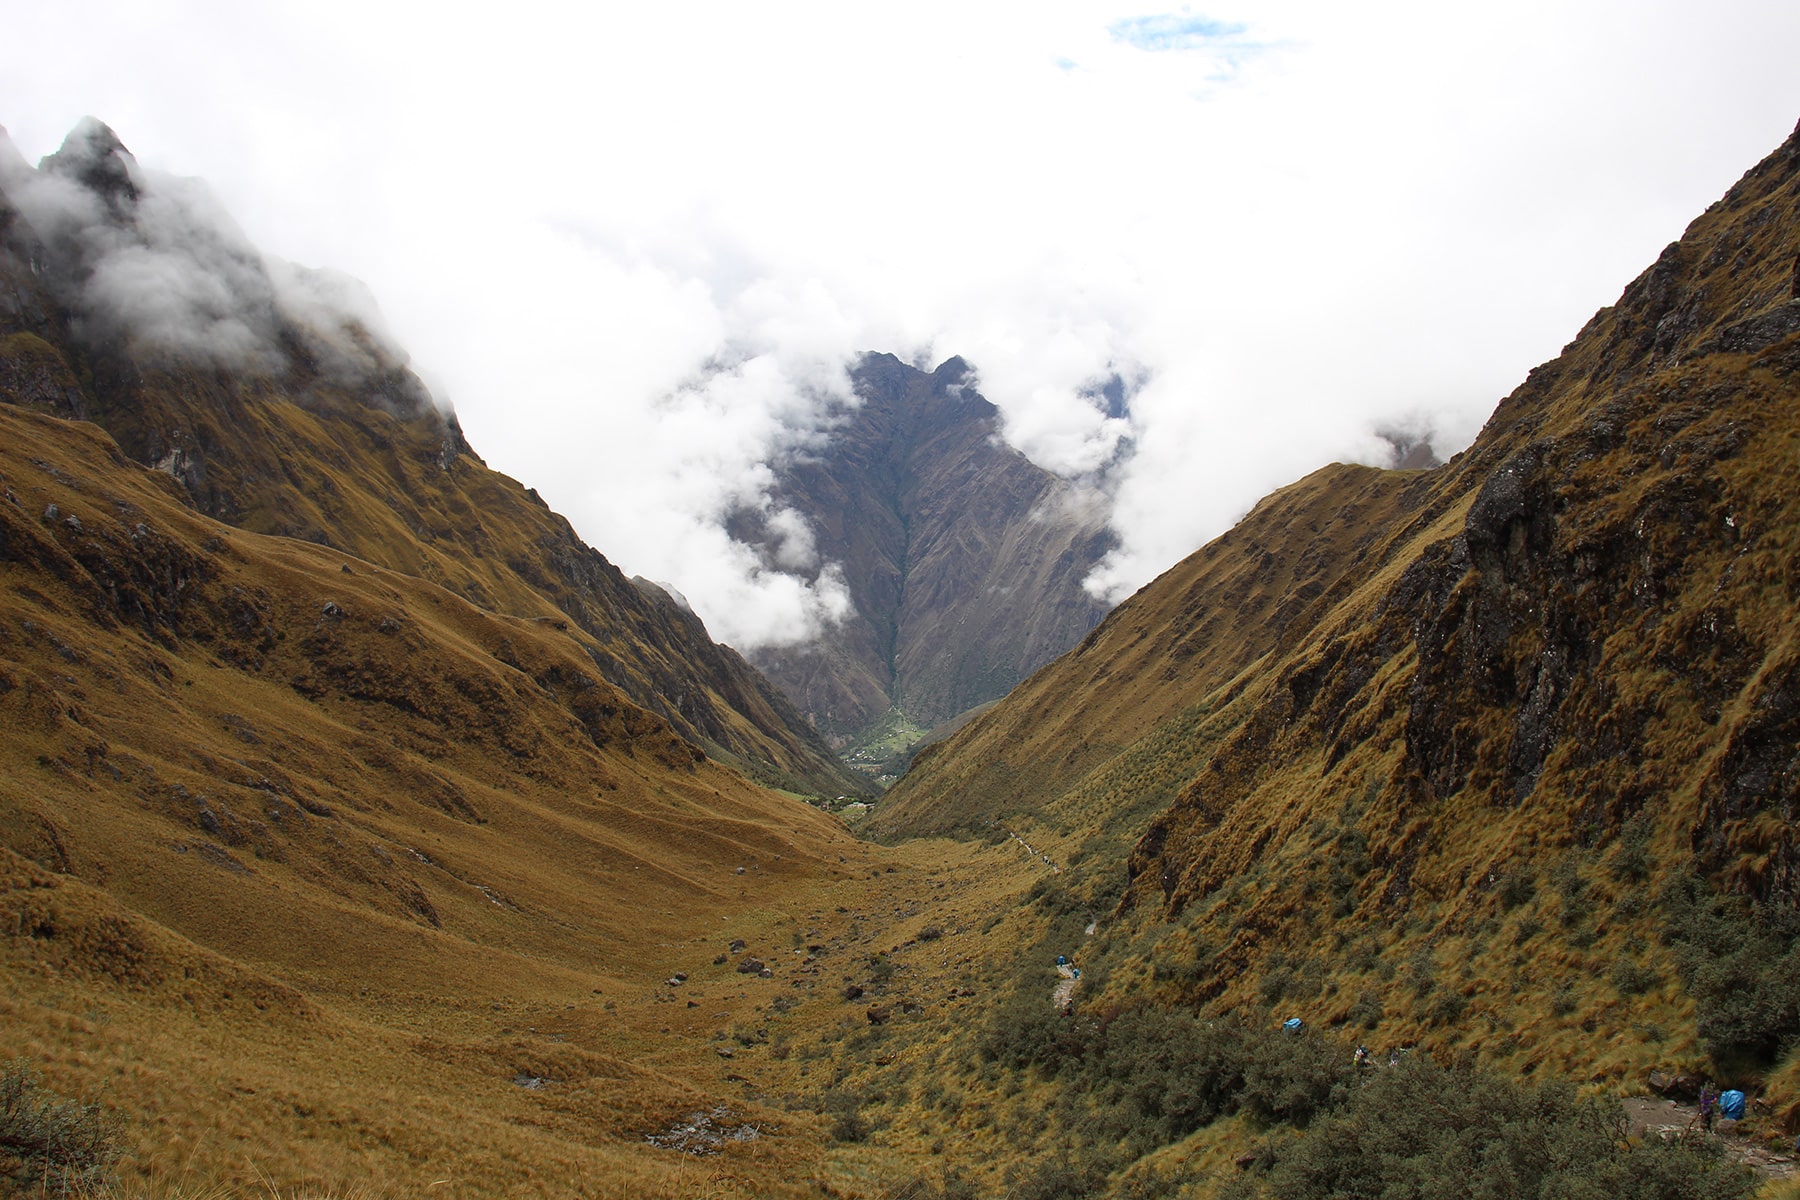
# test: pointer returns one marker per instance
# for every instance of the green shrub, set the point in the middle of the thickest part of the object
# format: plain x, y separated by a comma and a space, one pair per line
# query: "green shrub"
1293, 1078
1742, 964
1516, 888
1631, 861
1059, 1179
48, 1143
1160, 1075
1632, 979
1367, 1011
1419, 1130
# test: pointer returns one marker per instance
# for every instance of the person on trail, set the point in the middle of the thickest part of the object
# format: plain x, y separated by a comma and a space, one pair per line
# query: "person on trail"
1709, 1106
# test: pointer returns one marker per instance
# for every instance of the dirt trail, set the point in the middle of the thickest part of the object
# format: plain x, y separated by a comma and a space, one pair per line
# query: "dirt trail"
1651, 1117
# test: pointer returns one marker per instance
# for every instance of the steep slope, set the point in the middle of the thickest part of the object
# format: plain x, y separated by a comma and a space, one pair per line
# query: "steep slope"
964, 561
279, 824
265, 391
1488, 723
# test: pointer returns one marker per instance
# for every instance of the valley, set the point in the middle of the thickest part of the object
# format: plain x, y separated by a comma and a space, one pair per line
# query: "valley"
365, 833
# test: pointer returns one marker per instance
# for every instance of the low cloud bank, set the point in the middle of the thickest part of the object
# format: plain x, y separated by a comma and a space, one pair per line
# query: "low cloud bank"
155, 263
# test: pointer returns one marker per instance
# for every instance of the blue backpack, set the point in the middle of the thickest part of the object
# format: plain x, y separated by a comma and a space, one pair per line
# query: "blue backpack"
1731, 1105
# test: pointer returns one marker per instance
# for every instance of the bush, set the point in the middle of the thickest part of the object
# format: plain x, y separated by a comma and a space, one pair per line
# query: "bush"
1367, 1011
1161, 1075
1059, 1179
52, 1144
1030, 1034
1154, 1075
1632, 979
1516, 888
1742, 963
1419, 1130
1293, 1079
1631, 861
845, 1109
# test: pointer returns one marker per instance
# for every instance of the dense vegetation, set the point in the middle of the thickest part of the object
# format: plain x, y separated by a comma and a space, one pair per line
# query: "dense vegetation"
1419, 1130
1150, 1077
1741, 962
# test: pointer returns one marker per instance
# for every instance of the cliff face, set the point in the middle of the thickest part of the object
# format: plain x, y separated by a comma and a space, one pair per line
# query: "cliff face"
1365, 725
964, 561
269, 395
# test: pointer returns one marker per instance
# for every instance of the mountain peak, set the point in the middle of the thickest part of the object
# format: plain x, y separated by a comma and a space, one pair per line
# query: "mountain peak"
93, 156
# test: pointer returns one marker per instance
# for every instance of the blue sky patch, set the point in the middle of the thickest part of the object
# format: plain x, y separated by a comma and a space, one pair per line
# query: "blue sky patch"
1175, 31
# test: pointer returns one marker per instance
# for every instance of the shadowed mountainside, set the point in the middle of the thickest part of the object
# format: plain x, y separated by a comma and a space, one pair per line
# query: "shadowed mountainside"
266, 392
964, 560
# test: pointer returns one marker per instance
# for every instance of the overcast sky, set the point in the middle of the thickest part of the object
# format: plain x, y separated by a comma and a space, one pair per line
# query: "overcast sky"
634, 246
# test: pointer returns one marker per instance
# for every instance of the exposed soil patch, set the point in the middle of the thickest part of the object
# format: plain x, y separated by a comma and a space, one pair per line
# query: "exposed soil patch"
1651, 1117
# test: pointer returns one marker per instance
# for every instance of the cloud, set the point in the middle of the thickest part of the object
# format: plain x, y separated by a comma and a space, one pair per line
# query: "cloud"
157, 262
638, 254
1175, 31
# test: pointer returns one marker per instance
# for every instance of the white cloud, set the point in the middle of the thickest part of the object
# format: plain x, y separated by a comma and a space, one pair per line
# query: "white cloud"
635, 246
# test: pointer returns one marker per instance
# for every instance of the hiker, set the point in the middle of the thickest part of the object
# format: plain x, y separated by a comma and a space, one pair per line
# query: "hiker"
1709, 1106
1362, 1056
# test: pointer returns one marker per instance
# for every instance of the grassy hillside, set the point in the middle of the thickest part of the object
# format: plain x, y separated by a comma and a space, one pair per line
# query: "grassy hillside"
318, 431
337, 853
1497, 759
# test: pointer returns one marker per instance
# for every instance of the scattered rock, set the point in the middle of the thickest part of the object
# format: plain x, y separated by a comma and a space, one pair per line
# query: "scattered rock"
737, 945
880, 1014
705, 1133
853, 992
1683, 1086
750, 966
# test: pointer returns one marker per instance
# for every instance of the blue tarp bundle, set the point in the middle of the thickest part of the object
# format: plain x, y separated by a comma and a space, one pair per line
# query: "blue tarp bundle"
1291, 1025
1731, 1105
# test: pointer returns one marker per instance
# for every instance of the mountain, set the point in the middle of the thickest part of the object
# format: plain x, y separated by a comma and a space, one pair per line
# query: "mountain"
964, 561
355, 818
1496, 758
268, 393
341, 862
